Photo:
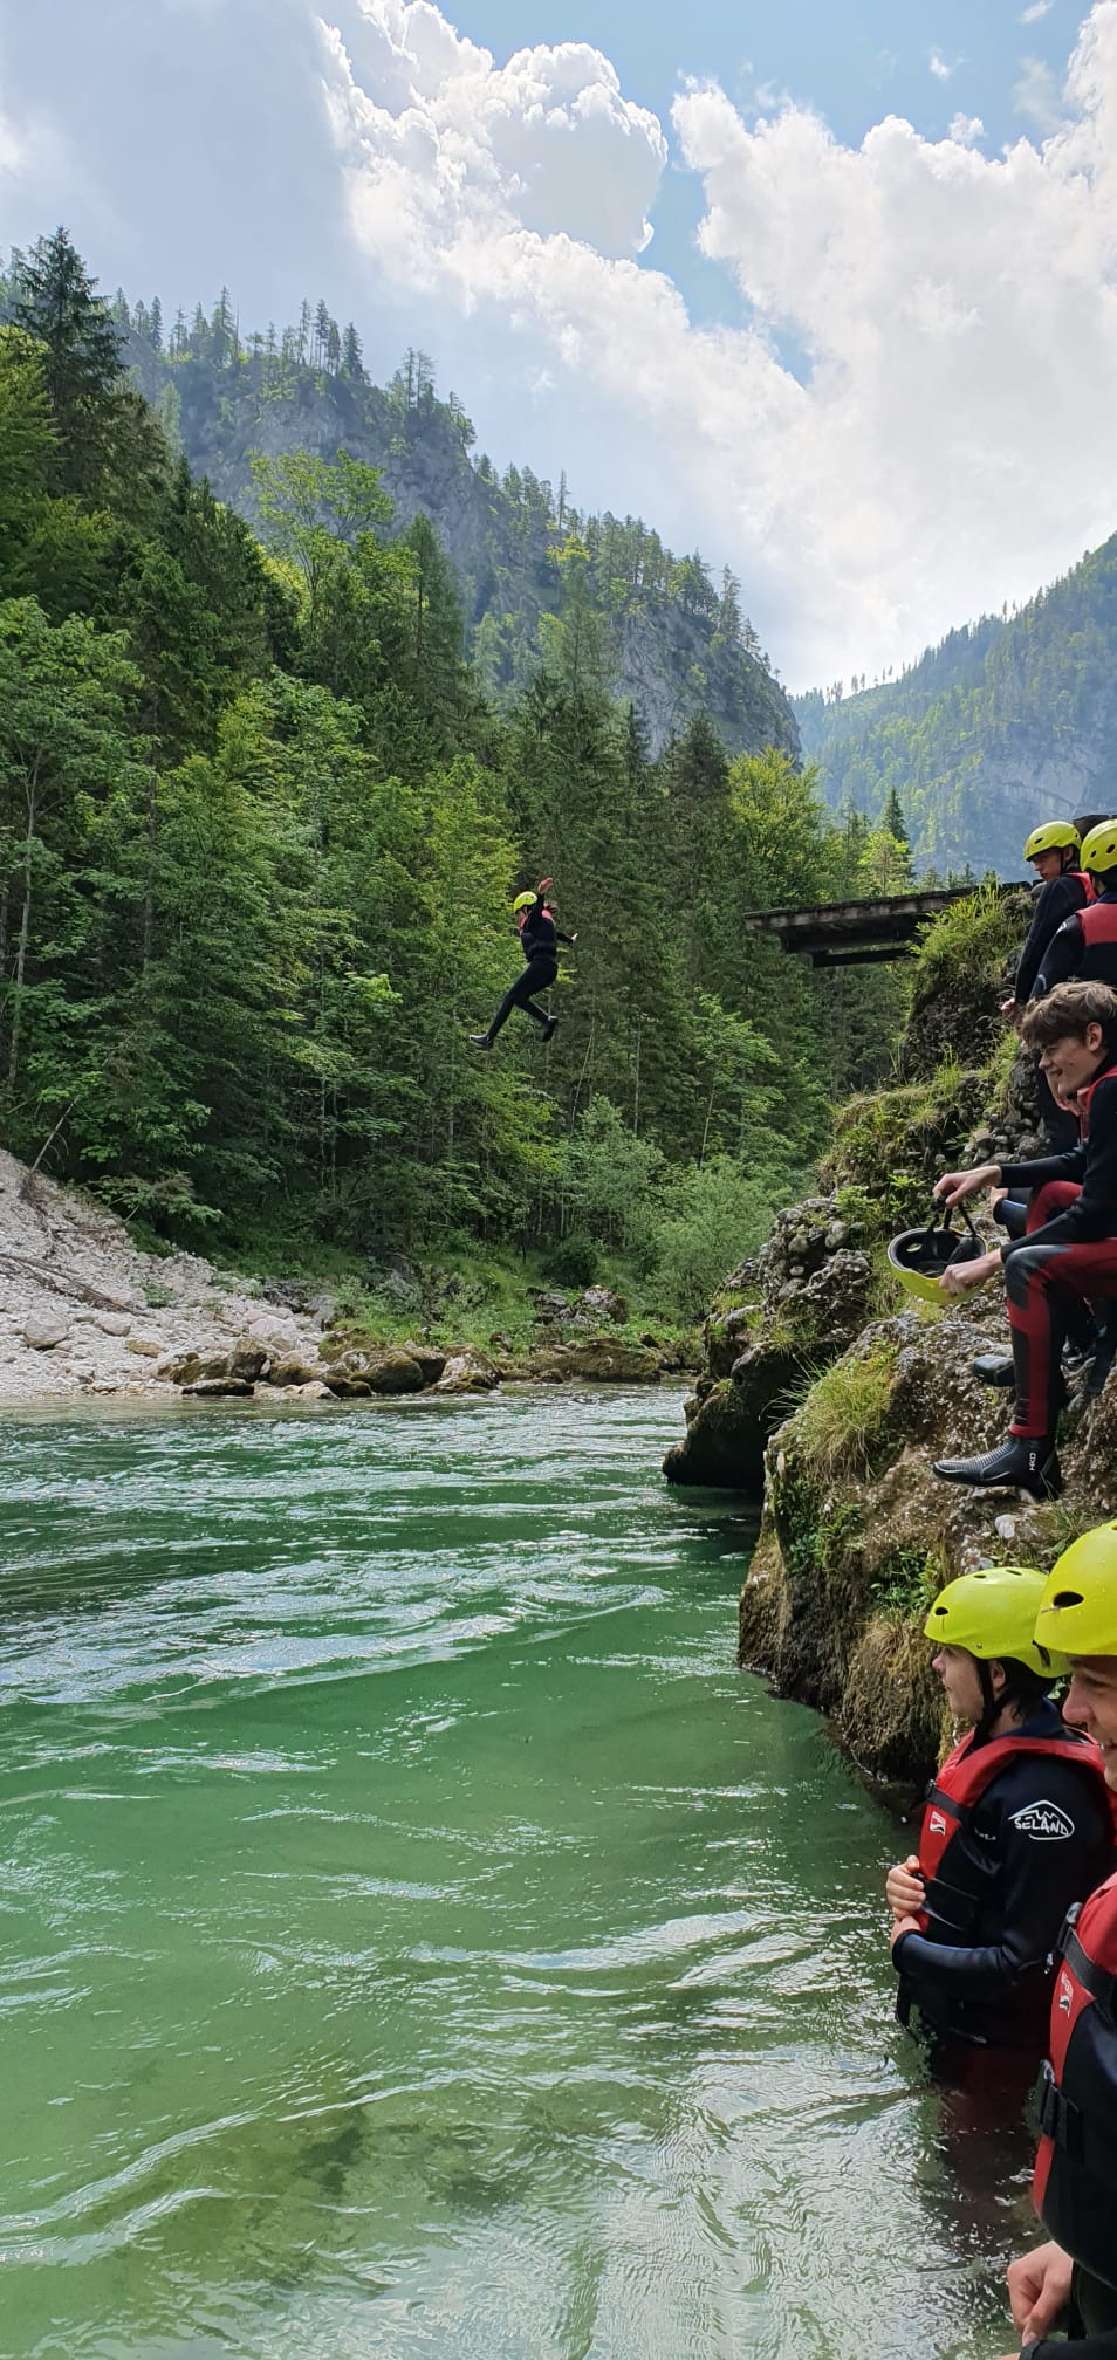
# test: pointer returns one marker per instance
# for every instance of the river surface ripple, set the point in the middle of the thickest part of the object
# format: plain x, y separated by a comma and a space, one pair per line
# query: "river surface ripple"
417, 1936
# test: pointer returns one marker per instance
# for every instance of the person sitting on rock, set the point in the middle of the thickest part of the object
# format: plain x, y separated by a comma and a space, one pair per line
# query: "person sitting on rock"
539, 940
1069, 1250
1017, 1826
1071, 2282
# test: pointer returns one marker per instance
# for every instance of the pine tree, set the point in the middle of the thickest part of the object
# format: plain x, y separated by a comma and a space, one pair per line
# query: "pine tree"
57, 304
352, 356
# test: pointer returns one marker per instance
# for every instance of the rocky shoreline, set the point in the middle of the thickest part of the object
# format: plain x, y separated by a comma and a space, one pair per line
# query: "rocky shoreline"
85, 1313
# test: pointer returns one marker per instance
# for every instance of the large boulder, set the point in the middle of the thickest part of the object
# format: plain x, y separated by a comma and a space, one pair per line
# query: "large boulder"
45, 1330
375, 1369
289, 1369
603, 1360
427, 1358
468, 1372
598, 1303
220, 1389
729, 1421
194, 1368
248, 1358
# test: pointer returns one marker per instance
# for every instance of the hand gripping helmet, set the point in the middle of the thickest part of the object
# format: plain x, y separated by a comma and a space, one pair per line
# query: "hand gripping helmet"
1078, 1611
1099, 851
1056, 835
918, 1257
992, 1614
523, 901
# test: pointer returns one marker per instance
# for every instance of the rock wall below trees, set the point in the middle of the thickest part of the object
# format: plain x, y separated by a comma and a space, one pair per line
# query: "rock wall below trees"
827, 1393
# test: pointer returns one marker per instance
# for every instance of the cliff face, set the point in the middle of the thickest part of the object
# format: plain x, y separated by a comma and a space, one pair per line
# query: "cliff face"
669, 650
829, 1393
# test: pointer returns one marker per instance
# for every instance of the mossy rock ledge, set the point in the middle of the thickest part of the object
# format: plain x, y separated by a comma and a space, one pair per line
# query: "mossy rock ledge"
781, 1317
858, 1534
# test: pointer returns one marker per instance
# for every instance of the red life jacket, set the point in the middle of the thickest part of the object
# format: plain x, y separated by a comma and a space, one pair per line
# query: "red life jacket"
1098, 927
1082, 877
1085, 1097
958, 1789
1075, 2186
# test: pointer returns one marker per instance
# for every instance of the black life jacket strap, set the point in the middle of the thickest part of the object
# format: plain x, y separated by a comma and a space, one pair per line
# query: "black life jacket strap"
1074, 2134
938, 1801
1098, 1981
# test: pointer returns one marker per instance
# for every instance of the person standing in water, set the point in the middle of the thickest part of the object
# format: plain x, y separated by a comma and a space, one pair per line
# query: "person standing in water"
1016, 1828
539, 940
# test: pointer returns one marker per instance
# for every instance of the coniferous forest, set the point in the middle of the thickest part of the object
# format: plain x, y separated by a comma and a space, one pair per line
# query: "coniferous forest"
260, 830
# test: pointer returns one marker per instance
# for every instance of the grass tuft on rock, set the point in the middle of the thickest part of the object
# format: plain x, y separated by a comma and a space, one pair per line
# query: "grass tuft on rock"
843, 1415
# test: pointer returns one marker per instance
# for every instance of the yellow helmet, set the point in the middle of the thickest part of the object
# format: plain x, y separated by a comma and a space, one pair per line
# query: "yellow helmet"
1078, 1611
1054, 836
523, 901
1099, 852
918, 1257
992, 1614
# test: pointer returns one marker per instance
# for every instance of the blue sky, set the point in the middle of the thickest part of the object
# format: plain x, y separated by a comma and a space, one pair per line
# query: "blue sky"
853, 60
882, 386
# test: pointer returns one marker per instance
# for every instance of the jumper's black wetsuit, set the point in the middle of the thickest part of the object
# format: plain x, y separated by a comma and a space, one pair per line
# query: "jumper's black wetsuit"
1068, 1254
539, 940
984, 1980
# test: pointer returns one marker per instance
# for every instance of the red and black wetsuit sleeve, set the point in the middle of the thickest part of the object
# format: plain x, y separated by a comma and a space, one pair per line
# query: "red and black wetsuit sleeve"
1037, 1880
1094, 1214
1060, 897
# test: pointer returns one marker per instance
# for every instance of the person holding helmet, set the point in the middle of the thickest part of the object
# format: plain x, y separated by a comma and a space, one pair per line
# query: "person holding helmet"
539, 940
1069, 1251
1016, 1828
1085, 944
1072, 2280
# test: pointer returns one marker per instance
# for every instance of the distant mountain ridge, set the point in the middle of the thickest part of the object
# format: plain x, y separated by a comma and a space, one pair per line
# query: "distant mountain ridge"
1007, 722
675, 645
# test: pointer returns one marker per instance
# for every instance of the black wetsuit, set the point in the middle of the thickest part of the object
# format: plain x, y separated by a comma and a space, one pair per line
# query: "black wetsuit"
991, 1985
1057, 903
539, 940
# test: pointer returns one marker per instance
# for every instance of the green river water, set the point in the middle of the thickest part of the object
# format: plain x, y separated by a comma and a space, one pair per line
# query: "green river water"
418, 1937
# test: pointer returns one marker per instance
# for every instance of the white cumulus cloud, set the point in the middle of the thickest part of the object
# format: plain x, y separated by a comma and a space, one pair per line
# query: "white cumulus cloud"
1038, 9
915, 422
939, 67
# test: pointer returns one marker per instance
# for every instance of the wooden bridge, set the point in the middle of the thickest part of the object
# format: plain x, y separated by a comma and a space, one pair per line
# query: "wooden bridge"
859, 933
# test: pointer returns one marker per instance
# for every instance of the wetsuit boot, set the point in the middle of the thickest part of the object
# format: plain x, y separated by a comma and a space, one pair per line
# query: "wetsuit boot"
481, 1040
550, 1028
1020, 1464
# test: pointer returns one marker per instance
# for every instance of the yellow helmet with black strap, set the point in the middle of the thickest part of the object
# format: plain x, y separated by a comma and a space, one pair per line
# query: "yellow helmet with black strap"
992, 1614
1056, 835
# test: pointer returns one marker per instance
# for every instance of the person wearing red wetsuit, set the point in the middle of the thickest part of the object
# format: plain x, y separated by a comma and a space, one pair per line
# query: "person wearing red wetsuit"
1069, 1250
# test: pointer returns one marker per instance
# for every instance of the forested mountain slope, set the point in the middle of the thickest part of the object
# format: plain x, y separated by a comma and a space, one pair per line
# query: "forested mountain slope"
1010, 720
260, 829
676, 645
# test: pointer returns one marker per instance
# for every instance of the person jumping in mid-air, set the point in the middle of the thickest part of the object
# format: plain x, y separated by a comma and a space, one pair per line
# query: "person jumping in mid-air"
539, 938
